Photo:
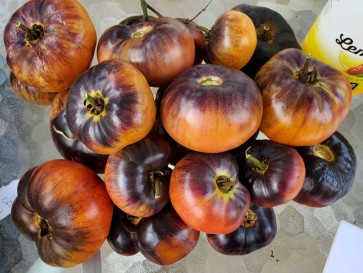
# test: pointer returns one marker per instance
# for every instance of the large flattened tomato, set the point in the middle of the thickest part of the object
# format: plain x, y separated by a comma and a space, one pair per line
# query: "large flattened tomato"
210, 108
65, 209
110, 106
49, 43
161, 49
304, 100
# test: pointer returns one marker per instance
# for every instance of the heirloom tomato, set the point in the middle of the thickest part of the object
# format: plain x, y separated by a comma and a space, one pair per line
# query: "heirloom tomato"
330, 171
161, 48
66, 144
29, 93
137, 177
110, 106
63, 206
211, 108
273, 35
272, 172
231, 41
49, 43
162, 238
257, 230
206, 193
304, 100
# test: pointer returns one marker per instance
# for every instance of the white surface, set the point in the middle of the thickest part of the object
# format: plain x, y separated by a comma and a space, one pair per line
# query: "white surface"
8, 194
345, 255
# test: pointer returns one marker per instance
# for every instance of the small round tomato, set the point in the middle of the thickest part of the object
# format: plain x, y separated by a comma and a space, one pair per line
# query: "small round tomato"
257, 230
206, 193
137, 177
110, 106
231, 41
272, 172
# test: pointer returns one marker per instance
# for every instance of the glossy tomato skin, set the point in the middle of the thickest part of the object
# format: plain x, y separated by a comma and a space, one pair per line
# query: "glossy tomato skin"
231, 41
122, 237
279, 181
131, 175
126, 110
29, 93
210, 108
66, 144
248, 237
273, 35
66, 49
165, 238
64, 208
206, 193
330, 171
297, 113
163, 51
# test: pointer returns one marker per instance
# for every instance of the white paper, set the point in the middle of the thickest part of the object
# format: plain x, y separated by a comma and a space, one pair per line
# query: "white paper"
345, 255
8, 194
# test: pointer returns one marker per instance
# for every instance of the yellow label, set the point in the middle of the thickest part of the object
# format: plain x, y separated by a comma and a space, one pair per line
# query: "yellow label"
335, 39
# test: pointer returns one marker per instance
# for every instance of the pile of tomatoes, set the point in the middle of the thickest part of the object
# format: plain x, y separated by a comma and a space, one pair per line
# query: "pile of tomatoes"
187, 161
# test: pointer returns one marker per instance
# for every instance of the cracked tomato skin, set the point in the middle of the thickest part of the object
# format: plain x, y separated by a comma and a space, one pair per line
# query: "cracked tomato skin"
125, 110
52, 62
298, 113
63, 206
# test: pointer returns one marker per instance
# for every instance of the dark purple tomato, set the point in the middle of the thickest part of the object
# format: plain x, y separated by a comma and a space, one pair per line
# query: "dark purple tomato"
330, 171
257, 230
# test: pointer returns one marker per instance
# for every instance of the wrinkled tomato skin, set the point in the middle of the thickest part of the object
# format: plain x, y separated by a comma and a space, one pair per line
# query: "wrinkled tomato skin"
71, 201
297, 113
165, 238
129, 109
279, 35
280, 182
130, 180
211, 118
122, 237
245, 240
29, 93
57, 58
66, 144
161, 54
326, 180
200, 201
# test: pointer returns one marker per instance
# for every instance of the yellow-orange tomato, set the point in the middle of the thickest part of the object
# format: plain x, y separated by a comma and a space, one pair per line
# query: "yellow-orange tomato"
232, 40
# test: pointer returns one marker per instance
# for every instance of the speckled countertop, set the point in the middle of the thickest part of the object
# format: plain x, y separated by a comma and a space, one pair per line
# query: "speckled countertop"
304, 235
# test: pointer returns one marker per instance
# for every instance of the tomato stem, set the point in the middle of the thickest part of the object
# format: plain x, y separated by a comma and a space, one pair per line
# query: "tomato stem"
45, 228
199, 13
249, 220
33, 34
263, 33
261, 166
144, 10
307, 75
226, 184
94, 104
134, 219
154, 177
